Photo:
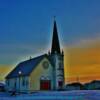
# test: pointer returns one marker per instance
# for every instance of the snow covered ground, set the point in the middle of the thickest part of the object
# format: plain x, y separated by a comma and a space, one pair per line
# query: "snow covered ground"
62, 95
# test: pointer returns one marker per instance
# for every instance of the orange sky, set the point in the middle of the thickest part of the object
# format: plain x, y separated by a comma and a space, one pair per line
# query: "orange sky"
4, 70
82, 61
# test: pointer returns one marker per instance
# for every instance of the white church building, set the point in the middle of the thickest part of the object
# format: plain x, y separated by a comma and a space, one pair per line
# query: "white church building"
45, 72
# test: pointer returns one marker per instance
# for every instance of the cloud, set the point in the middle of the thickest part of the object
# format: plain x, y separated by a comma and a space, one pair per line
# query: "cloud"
85, 42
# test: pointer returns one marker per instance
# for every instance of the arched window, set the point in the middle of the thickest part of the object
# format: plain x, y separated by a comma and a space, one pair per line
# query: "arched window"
44, 78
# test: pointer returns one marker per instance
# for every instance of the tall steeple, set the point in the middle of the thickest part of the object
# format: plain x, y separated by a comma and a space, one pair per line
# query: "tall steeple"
55, 40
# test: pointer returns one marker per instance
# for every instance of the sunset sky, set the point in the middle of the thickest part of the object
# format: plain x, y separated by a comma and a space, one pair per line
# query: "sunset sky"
26, 30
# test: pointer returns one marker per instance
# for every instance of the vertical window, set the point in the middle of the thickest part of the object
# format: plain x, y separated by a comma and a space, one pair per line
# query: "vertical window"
23, 81
8, 82
26, 82
60, 64
15, 84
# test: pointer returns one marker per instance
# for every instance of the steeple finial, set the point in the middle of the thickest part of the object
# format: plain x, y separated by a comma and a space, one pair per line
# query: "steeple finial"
55, 39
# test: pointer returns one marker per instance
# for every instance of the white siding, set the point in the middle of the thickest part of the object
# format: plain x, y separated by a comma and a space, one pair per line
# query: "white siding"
17, 84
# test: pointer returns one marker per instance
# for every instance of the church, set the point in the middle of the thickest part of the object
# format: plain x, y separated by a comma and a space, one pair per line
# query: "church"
45, 72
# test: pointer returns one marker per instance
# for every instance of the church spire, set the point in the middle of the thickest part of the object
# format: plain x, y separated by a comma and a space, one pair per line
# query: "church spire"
55, 40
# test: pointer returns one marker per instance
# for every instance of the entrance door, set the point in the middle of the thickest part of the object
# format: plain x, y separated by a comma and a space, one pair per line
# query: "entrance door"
45, 84
60, 84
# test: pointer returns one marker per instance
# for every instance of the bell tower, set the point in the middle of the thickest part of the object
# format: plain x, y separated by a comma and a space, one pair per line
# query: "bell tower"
58, 60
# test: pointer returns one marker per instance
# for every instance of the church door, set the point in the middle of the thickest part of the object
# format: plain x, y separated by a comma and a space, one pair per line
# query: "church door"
60, 84
45, 84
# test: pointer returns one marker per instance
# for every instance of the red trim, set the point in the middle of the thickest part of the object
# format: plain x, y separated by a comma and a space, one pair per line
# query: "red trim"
45, 84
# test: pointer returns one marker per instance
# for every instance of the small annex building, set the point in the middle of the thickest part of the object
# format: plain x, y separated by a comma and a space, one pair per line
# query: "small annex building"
45, 72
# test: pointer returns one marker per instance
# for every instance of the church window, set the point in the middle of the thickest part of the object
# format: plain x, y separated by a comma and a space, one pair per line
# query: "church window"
42, 78
61, 75
15, 84
60, 66
26, 82
23, 81
8, 82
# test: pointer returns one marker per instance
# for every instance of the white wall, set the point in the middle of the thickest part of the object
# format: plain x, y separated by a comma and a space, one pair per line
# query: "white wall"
19, 84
